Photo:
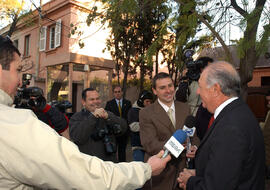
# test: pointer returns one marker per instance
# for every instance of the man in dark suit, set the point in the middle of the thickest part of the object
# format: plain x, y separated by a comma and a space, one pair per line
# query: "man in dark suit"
157, 125
231, 155
120, 107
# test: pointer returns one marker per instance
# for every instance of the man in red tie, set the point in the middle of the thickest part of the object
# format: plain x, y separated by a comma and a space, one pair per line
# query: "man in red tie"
231, 154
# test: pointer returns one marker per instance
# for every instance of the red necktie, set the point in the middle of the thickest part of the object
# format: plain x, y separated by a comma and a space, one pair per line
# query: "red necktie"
211, 121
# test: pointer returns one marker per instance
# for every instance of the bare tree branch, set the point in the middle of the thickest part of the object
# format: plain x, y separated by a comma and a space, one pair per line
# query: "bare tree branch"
239, 9
226, 49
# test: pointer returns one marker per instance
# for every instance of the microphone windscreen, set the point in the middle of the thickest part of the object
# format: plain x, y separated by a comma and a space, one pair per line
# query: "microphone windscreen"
190, 121
180, 136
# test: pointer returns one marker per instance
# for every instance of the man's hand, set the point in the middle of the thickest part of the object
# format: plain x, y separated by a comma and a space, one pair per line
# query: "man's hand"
184, 176
100, 113
192, 151
157, 163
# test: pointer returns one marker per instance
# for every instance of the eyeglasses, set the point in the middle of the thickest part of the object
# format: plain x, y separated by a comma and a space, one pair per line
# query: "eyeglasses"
117, 91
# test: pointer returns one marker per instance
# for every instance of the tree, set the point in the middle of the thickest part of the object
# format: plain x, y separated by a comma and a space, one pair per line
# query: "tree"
10, 12
134, 24
176, 35
249, 16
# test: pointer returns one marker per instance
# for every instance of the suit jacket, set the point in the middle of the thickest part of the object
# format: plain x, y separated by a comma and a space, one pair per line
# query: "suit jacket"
231, 155
84, 128
113, 107
155, 130
266, 135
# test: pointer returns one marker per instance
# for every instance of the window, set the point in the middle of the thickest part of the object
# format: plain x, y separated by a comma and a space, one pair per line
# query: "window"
42, 40
58, 27
55, 35
265, 81
16, 43
26, 45
52, 37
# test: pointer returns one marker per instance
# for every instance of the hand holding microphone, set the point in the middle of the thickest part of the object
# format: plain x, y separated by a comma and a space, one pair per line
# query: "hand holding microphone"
157, 163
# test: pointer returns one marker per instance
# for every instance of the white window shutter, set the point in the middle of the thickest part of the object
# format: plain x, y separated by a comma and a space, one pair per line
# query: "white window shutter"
42, 40
50, 39
58, 33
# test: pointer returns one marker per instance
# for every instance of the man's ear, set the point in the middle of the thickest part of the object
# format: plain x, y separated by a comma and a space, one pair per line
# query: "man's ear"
216, 89
83, 102
154, 91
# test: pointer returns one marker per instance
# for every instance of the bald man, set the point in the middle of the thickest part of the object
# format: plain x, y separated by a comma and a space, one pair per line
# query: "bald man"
231, 155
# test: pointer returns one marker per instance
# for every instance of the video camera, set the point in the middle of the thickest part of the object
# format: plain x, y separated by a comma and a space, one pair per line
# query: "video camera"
194, 67
62, 106
105, 134
23, 97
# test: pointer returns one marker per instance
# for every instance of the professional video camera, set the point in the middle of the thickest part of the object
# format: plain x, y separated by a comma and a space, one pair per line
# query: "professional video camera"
106, 135
194, 67
23, 97
62, 106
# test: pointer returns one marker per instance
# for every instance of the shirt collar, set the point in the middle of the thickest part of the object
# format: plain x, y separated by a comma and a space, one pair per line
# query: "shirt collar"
5, 98
165, 107
121, 100
223, 105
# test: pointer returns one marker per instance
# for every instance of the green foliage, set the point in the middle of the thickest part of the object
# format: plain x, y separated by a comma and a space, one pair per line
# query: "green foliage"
147, 85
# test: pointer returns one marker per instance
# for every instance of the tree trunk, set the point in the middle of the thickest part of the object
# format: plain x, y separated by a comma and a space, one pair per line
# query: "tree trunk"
124, 88
13, 25
157, 62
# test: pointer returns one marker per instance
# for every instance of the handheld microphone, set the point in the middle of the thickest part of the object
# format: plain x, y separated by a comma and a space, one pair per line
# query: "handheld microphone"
189, 126
174, 144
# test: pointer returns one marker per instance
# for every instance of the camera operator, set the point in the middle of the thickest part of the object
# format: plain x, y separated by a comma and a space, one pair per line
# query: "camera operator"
94, 130
49, 115
187, 92
33, 98
188, 85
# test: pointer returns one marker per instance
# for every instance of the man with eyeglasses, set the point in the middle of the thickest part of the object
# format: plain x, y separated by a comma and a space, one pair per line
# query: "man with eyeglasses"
120, 107
34, 155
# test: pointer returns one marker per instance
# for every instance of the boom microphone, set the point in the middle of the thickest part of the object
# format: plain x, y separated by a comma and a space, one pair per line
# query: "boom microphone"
174, 144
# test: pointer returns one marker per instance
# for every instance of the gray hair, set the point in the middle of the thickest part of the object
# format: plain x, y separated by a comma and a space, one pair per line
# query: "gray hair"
226, 76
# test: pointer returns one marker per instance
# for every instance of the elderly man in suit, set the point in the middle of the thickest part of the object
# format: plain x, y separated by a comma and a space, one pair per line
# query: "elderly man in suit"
120, 107
158, 122
231, 154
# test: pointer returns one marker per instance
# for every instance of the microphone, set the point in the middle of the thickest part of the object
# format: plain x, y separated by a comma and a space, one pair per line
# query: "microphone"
174, 144
189, 126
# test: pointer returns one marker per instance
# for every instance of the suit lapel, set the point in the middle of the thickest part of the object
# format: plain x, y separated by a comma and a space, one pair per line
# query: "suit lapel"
179, 111
124, 105
115, 107
225, 111
163, 117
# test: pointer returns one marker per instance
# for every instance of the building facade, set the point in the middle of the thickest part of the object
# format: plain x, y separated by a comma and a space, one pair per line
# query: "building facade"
51, 51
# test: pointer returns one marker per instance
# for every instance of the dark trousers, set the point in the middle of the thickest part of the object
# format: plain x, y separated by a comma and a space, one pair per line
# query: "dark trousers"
121, 147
